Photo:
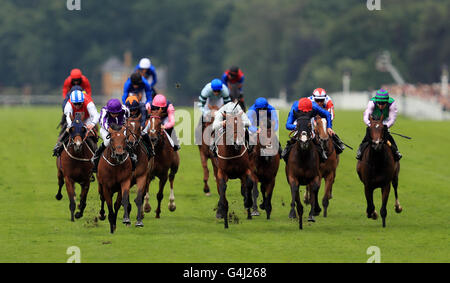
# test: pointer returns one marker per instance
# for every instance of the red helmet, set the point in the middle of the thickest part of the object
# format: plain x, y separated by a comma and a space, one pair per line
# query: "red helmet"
319, 93
76, 74
305, 104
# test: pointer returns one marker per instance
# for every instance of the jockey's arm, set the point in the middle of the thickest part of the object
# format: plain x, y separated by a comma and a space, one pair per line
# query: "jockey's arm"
392, 115
94, 117
330, 108
245, 120
251, 114
274, 119
126, 90
218, 119
87, 86
368, 112
68, 111
171, 117
225, 92
291, 118
66, 87
148, 91
154, 76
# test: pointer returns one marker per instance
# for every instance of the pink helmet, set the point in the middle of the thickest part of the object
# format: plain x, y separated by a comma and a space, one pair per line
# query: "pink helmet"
159, 101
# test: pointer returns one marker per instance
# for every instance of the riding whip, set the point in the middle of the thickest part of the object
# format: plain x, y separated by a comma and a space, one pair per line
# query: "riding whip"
406, 137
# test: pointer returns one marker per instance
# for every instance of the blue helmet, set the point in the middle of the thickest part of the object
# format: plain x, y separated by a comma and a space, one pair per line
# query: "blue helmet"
261, 102
216, 84
77, 96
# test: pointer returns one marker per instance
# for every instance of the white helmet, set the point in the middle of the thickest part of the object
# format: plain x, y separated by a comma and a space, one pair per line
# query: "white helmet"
145, 63
319, 93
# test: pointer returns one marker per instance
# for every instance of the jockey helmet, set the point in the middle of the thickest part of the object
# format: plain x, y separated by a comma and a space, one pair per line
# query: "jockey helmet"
132, 103
114, 106
216, 85
136, 79
145, 63
305, 104
261, 102
76, 74
381, 96
319, 93
77, 96
159, 101
234, 70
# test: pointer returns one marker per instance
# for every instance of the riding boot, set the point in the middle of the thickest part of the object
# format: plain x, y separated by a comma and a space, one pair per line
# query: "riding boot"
394, 148
59, 145
365, 142
96, 158
286, 150
176, 143
247, 141
147, 144
338, 144
280, 149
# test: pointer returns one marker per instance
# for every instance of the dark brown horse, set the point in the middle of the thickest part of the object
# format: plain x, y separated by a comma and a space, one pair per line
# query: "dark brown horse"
327, 167
265, 162
164, 158
74, 166
236, 95
233, 163
114, 176
140, 174
377, 169
205, 152
302, 168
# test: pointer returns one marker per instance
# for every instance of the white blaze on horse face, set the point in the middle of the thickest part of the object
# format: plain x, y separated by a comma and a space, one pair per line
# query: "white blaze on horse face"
134, 125
153, 126
304, 137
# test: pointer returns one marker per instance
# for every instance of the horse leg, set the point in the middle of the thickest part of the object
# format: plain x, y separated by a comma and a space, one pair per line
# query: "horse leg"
398, 207
102, 207
160, 195
246, 191
317, 208
204, 161
385, 195
147, 207
125, 190
255, 195
172, 205
70, 187
222, 209
295, 194
294, 191
111, 213
370, 211
60, 185
314, 186
329, 180
83, 198
267, 194
140, 183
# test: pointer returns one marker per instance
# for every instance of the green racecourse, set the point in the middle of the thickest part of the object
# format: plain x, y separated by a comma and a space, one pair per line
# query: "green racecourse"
35, 227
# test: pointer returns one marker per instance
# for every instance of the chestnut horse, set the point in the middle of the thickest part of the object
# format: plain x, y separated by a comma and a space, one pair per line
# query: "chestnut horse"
265, 162
205, 152
327, 167
233, 163
74, 166
302, 167
140, 174
164, 158
377, 169
114, 176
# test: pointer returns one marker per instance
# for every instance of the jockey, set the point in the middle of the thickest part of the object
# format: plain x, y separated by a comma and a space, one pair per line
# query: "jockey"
136, 108
323, 100
310, 108
113, 113
168, 118
78, 103
233, 75
219, 122
147, 70
75, 78
136, 84
262, 107
378, 105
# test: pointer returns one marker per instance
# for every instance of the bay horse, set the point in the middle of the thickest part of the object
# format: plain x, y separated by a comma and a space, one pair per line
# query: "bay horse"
114, 176
378, 169
164, 158
265, 162
205, 152
140, 174
302, 167
236, 95
327, 167
74, 166
233, 163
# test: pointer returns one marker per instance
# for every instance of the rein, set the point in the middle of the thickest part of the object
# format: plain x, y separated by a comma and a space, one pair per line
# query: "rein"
77, 158
117, 164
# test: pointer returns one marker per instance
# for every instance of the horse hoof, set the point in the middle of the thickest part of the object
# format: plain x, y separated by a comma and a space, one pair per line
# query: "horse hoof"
292, 214
58, 196
374, 215
255, 212
172, 207
311, 219
139, 224
78, 215
398, 209
219, 215
262, 206
147, 208
208, 194
126, 221
102, 217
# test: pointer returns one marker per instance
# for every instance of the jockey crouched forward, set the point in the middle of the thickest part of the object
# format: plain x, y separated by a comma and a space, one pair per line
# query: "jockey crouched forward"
160, 102
137, 109
78, 103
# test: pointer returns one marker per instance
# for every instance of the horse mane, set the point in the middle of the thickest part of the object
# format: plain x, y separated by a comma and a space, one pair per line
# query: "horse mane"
116, 127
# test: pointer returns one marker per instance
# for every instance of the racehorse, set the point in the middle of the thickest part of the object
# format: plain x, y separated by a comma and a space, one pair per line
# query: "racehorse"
236, 95
302, 167
164, 159
74, 166
140, 174
232, 163
114, 176
327, 167
265, 162
377, 169
205, 152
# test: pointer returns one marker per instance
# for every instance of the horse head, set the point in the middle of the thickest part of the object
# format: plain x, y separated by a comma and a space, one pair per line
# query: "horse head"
320, 132
77, 132
155, 129
118, 142
376, 132
303, 131
133, 127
